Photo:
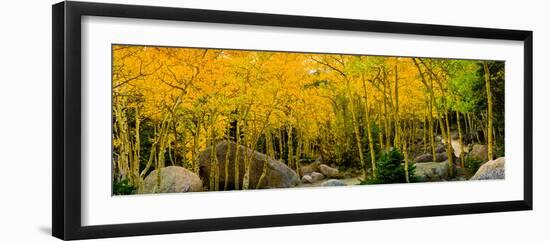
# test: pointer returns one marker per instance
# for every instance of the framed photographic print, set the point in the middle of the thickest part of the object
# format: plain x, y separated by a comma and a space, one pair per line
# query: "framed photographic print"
169, 120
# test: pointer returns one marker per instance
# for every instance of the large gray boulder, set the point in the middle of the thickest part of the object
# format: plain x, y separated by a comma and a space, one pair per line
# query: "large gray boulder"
277, 173
333, 183
431, 171
330, 172
478, 152
493, 169
173, 179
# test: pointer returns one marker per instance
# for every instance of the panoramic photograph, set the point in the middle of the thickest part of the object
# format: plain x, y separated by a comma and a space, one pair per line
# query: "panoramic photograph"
204, 119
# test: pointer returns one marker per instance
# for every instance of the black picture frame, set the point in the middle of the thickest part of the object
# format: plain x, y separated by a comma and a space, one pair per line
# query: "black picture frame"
66, 129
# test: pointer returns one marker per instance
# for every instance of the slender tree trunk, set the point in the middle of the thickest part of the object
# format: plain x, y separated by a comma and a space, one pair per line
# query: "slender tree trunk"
381, 138
290, 155
300, 144
469, 119
213, 162
226, 164
414, 133
460, 142
445, 130
246, 175
380, 129
161, 150
489, 111
369, 131
431, 129
449, 146
356, 132
424, 134
124, 146
371, 148
484, 127
176, 144
171, 156
236, 160
137, 149
386, 124
268, 154
216, 165
406, 157
251, 142
397, 138
183, 149
152, 155
431, 103
280, 137
248, 162
195, 153
467, 131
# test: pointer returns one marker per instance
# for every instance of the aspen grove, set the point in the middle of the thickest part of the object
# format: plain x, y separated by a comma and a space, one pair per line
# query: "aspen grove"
239, 119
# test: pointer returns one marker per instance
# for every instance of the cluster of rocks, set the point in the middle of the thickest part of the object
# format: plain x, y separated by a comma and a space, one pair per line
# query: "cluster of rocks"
438, 171
175, 179
179, 179
428, 170
313, 177
317, 173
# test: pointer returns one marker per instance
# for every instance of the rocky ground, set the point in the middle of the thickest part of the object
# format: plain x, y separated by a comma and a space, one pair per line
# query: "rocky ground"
277, 175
